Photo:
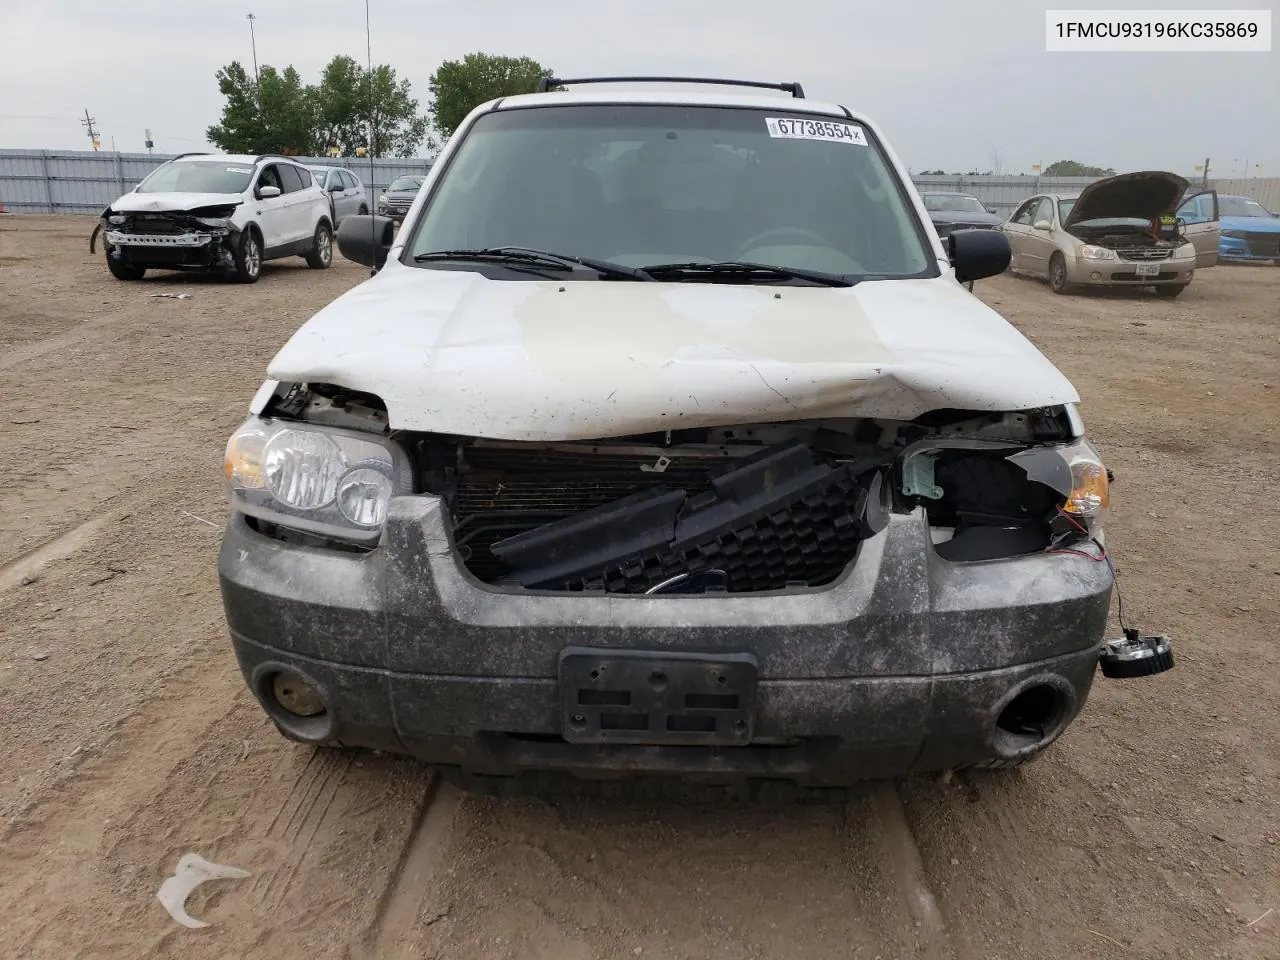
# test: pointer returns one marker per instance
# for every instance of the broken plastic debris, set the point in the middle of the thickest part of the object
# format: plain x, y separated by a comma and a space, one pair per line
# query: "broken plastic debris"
192, 871
172, 296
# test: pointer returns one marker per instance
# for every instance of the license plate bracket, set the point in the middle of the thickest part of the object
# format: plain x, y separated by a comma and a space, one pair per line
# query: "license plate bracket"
1147, 269
657, 698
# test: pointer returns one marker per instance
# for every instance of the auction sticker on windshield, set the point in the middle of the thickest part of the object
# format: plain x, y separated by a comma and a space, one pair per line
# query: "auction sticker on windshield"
830, 131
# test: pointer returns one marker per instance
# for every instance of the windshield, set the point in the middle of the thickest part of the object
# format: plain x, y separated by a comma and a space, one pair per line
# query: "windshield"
645, 185
203, 176
953, 202
401, 184
1241, 207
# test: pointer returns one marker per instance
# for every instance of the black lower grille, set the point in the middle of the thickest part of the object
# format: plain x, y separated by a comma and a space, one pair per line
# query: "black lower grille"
1134, 278
154, 225
586, 522
1263, 244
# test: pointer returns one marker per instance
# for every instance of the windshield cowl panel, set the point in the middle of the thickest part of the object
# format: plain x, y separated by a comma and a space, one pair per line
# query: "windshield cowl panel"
642, 185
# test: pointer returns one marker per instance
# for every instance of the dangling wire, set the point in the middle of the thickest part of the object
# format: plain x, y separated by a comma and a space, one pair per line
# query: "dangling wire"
1103, 556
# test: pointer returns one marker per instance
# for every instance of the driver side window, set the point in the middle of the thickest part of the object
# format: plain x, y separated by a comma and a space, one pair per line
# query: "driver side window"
270, 177
1023, 216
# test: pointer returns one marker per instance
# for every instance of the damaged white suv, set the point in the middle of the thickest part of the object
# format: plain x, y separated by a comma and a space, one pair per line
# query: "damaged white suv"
225, 213
667, 440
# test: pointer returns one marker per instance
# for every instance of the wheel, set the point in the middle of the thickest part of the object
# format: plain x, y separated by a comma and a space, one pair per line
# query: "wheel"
123, 270
321, 254
248, 257
1171, 290
1057, 274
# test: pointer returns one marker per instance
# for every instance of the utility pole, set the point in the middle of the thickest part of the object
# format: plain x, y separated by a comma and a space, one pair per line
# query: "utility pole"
254, 43
1204, 182
88, 123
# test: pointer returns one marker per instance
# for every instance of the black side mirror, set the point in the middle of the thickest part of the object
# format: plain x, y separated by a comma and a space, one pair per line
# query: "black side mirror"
976, 254
366, 239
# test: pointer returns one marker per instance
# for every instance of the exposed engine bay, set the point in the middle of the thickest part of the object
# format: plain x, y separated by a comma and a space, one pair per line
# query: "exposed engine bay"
1150, 240
741, 509
203, 238
737, 509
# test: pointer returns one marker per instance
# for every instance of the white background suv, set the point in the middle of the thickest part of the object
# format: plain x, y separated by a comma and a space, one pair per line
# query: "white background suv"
208, 212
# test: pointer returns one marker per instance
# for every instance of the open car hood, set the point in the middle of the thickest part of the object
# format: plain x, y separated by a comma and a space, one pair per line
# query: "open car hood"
450, 351
172, 202
1148, 194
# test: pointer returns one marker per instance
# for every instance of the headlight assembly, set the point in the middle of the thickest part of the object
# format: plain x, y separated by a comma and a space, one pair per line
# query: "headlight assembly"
1090, 252
1090, 493
1077, 473
333, 483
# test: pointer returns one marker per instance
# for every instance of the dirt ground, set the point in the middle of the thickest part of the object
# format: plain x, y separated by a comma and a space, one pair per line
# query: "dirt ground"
127, 737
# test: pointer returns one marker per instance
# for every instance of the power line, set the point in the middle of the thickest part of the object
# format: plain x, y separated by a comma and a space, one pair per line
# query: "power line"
88, 123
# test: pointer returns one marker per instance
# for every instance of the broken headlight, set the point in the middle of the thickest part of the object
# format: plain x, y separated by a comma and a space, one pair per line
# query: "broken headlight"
333, 483
1090, 493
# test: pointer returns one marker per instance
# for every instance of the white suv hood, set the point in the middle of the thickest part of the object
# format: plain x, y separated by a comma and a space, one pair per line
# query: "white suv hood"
453, 352
172, 202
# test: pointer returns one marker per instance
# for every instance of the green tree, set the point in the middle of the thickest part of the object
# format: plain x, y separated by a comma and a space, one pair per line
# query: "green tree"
241, 130
280, 114
274, 115
398, 128
459, 86
1073, 168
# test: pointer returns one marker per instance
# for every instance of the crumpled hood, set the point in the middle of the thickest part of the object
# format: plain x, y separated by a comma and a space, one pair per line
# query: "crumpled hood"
1149, 194
453, 352
172, 202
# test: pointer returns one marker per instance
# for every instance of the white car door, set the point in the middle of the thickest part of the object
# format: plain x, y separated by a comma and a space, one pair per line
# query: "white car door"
271, 213
303, 201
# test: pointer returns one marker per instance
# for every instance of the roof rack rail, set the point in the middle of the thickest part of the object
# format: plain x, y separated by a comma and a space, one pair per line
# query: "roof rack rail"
274, 156
192, 153
545, 84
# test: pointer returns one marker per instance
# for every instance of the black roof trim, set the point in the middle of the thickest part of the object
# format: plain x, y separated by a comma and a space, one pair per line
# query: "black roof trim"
192, 153
549, 83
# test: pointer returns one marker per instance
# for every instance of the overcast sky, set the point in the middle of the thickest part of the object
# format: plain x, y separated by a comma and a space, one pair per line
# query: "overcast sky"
952, 83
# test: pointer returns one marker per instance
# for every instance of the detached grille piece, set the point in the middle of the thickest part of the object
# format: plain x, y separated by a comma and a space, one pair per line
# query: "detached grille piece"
775, 520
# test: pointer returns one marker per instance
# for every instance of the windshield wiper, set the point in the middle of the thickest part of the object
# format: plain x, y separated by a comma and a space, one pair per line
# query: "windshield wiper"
539, 257
741, 271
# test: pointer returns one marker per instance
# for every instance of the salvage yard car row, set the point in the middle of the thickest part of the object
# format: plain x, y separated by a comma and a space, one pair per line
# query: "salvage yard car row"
1144, 229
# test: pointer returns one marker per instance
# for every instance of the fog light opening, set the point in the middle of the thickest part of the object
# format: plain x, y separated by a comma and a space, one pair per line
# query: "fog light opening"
296, 696
1031, 720
1095, 275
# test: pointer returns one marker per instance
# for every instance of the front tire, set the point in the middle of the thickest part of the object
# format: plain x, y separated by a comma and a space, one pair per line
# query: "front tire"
320, 257
248, 257
1171, 290
1058, 274
123, 270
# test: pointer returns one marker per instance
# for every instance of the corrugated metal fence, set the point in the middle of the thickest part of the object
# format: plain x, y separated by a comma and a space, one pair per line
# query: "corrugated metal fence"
50, 181
84, 181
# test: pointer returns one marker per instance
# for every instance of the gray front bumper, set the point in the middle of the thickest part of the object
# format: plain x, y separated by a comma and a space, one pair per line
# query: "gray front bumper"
902, 664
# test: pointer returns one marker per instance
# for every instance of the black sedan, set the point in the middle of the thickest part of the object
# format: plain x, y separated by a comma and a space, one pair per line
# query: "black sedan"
959, 211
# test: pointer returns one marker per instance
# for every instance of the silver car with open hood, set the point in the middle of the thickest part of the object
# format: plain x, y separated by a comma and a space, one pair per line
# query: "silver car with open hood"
1121, 231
